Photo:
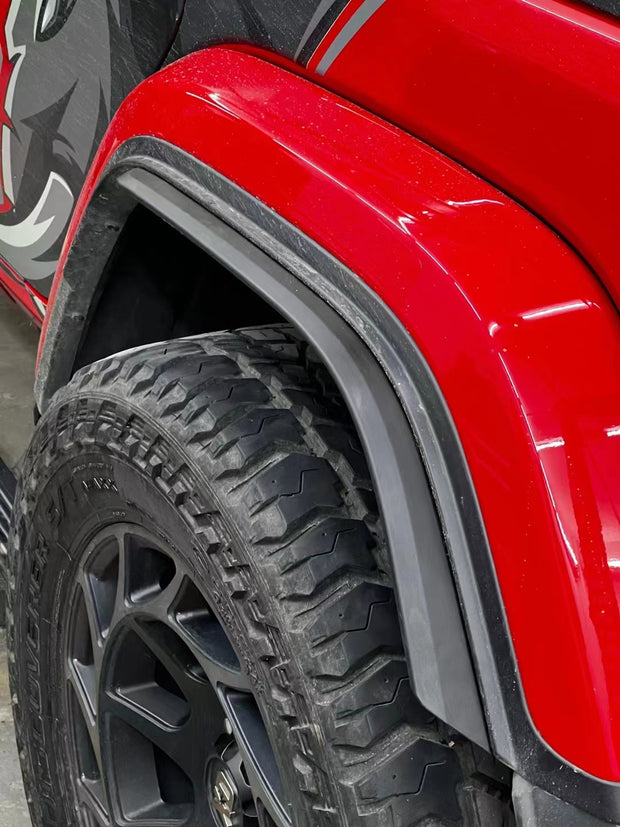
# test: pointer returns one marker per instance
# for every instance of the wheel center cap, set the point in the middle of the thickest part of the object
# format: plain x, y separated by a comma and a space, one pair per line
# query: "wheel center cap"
223, 795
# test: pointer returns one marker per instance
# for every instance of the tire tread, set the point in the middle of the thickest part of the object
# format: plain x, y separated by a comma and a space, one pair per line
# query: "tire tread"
256, 407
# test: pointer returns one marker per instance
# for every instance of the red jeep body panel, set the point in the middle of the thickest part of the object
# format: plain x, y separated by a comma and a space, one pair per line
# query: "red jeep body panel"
524, 342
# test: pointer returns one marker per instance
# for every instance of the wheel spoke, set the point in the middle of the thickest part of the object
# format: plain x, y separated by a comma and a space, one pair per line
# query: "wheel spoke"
258, 756
209, 643
222, 676
169, 650
120, 596
96, 634
86, 737
266, 802
90, 794
160, 604
154, 678
85, 688
101, 581
183, 744
148, 576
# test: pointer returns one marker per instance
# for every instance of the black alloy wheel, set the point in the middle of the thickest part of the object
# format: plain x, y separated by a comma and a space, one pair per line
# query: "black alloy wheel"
165, 725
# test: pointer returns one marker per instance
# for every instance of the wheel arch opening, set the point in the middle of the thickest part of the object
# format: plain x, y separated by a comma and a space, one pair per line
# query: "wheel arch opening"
126, 283
159, 285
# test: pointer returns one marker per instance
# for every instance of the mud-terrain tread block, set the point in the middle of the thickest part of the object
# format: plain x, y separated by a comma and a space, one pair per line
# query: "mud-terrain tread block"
336, 546
255, 432
361, 623
212, 412
412, 777
382, 701
294, 486
346, 444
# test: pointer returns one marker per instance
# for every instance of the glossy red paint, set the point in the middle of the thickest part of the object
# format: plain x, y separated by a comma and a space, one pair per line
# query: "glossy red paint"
526, 93
523, 341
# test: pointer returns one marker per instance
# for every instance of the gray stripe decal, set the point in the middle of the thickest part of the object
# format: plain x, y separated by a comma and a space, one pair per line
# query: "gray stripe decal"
324, 7
361, 16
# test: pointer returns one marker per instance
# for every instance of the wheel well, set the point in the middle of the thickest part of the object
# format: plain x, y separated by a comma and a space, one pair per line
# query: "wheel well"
260, 265
159, 285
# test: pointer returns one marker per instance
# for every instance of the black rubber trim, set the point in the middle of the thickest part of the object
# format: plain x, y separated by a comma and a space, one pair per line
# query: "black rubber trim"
512, 734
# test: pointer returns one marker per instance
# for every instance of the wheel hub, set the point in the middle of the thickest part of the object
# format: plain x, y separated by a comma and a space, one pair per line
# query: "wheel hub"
224, 795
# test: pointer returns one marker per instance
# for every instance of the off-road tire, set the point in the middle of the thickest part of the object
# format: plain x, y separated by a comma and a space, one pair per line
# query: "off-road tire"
243, 436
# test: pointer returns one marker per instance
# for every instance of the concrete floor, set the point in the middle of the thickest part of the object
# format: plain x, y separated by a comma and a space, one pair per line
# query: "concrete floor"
18, 349
13, 808
18, 345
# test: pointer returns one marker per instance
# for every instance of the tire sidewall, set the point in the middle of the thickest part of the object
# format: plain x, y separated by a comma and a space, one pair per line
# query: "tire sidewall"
72, 491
